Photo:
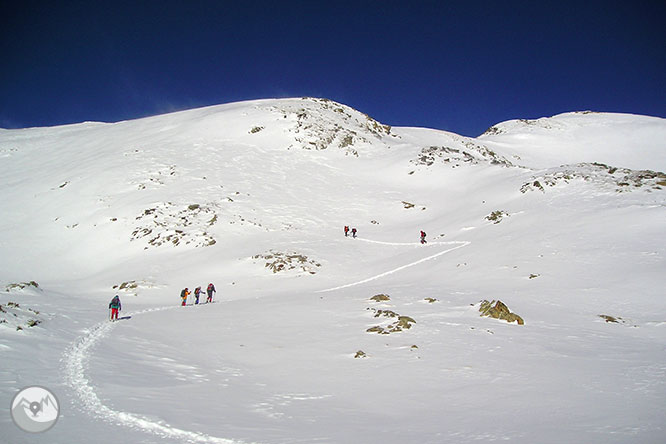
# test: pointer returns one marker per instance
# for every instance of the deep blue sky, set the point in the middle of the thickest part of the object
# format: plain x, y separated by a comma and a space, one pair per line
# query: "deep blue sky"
461, 66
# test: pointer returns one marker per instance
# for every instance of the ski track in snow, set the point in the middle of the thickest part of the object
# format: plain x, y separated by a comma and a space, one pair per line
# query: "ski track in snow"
77, 355
76, 361
395, 270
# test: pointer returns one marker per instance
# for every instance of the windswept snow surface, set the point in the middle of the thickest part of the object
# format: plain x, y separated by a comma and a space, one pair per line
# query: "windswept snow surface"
637, 142
563, 219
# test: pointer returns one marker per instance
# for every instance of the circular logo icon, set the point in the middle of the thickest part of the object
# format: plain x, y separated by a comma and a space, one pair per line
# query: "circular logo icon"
35, 409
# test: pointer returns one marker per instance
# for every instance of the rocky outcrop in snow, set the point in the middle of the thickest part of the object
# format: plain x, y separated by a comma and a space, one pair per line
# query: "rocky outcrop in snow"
622, 179
499, 310
319, 124
278, 261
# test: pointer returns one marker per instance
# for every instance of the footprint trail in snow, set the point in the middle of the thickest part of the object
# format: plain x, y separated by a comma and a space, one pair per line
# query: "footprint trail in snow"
77, 355
76, 361
460, 244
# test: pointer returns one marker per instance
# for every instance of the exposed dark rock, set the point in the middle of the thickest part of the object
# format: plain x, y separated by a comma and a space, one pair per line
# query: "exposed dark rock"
380, 297
499, 310
279, 261
496, 216
21, 286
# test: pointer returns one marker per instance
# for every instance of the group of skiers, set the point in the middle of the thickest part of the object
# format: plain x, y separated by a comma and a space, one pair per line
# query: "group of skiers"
115, 306
353, 232
197, 292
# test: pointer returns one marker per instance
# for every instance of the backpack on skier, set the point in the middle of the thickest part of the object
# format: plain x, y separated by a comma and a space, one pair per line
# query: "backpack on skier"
183, 295
115, 302
115, 307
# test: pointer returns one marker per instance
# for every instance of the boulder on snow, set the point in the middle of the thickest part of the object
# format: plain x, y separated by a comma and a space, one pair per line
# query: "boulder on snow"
616, 320
385, 313
380, 298
496, 216
403, 323
499, 310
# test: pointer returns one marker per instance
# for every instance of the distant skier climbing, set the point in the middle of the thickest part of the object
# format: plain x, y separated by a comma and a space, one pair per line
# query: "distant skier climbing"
197, 292
183, 295
353, 232
115, 307
210, 290
423, 236
346, 230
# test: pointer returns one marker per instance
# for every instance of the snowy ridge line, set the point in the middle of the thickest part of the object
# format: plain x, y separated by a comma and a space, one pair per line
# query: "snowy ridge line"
381, 275
76, 362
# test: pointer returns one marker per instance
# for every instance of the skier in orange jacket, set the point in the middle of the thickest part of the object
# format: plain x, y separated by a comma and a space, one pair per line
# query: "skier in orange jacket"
183, 295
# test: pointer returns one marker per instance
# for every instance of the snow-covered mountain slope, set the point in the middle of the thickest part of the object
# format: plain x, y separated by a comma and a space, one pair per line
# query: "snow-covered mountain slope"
619, 140
562, 219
